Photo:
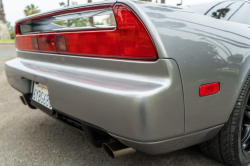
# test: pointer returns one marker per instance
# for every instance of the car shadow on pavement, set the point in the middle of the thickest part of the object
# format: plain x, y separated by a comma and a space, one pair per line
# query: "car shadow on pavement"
47, 141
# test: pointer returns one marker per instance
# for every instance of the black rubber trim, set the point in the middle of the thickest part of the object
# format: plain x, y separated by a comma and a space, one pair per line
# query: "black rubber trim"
95, 135
28, 100
23, 100
41, 107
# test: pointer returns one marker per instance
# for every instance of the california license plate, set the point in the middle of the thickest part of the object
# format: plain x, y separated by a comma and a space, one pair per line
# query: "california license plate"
41, 95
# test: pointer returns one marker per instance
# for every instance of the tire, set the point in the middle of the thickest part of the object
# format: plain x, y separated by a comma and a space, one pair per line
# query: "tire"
232, 144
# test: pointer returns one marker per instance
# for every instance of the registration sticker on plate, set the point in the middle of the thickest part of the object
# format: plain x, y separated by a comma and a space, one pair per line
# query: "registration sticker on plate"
41, 95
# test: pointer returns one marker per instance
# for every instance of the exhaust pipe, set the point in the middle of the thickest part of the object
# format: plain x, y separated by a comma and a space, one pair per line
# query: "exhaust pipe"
23, 100
117, 149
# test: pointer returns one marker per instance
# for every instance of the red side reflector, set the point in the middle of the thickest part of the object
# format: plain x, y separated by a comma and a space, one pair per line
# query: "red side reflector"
209, 89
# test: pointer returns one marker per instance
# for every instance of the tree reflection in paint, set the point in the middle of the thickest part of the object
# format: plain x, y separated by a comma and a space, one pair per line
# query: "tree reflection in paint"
221, 13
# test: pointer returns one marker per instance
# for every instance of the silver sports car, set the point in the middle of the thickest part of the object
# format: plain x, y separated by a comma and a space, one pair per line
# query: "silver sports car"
135, 75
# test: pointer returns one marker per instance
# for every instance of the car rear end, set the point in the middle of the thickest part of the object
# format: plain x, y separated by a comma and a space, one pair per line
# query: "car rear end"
99, 68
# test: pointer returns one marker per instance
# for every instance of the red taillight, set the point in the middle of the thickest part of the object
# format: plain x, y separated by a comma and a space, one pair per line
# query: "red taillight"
129, 40
34, 42
27, 42
46, 42
125, 18
60, 43
16, 29
209, 89
103, 43
134, 39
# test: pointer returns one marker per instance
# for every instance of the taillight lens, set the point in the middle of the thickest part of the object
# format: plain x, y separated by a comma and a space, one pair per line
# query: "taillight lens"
60, 43
130, 39
17, 29
134, 39
209, 89
103, 43
27, 42
125, 18
46, 42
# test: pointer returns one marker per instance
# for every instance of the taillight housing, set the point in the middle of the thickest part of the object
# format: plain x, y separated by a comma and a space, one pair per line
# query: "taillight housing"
135, 41
17, 29
27, 42
46, 42
129, 40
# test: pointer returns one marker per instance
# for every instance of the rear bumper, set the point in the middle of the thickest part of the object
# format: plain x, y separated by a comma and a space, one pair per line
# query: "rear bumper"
153, 148
137, 101
170, 145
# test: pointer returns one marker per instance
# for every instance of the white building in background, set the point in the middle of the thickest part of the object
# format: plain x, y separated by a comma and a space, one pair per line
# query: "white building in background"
4, 32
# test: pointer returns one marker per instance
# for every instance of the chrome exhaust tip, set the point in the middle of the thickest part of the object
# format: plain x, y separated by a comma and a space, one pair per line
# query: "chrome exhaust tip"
117, 149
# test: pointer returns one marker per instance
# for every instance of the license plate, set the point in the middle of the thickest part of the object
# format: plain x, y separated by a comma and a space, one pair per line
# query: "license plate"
41, 95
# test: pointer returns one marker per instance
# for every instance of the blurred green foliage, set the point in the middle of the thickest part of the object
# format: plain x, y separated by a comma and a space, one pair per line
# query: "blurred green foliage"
11, 30
7, 41
31, 9
78, 22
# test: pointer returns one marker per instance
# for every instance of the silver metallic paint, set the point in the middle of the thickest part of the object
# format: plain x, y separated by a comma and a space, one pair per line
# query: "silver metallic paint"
206, 50
138, 97
141, 103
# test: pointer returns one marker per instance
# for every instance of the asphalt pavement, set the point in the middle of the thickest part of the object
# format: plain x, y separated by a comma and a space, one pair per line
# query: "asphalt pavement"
30, 137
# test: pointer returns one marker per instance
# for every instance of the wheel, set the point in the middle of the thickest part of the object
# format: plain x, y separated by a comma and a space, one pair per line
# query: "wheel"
232, 144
